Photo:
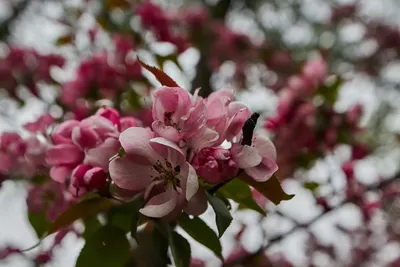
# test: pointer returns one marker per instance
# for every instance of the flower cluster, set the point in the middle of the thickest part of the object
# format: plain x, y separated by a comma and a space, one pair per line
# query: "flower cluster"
26, 67
184, 142
19, 156
81, 150
310, 130
102, 76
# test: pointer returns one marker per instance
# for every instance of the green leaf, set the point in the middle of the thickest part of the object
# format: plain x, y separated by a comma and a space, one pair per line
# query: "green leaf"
84, 209
106, 247
161, 76
223, 217
201, 232
92, 224
330, 92
39, 223
135, 217
180, 249
240, 192
312, 186
271, 189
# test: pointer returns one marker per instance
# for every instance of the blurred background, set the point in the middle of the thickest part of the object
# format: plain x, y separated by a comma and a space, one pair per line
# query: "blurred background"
324, 75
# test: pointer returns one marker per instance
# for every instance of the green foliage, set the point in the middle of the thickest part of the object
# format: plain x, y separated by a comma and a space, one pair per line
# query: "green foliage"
312, 186
202, 233
92, 224
126, 216
223, 217
240, 192
106, 247
84, 209
330, 92
180, 249
39, 223
271, 189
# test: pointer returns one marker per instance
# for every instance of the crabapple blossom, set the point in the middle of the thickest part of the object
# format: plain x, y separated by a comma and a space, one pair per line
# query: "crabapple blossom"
150, 163
92, 141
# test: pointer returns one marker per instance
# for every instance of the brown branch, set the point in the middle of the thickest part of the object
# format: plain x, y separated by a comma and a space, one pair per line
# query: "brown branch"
272, 241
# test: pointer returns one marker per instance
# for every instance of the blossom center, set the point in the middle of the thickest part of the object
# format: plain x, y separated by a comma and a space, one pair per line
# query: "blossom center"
167, 173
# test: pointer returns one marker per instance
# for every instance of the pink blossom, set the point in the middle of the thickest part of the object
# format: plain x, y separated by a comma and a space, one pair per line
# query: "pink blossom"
49, 198
92, 141
225, 115
41, 124
150, 163
177, 117
257, 160
215, 165
85, 178
316, 70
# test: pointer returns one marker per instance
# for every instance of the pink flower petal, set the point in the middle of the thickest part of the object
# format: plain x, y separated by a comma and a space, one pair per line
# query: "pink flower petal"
189, 180
245, 156
136, 142
60, 173
204, 137
6, 162
64, 154
161, 205
263, 171
264, 146
168, 150
129, 175
168, 132
100, 156
84, 137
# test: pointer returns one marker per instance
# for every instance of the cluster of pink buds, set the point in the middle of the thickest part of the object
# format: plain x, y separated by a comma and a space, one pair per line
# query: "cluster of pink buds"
184, 143
81, 150
26, 67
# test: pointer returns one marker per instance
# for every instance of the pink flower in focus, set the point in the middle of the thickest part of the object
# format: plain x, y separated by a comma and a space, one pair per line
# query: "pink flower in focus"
150, 163
92, 141
225, 115
215, 165
85, 178
176, 118
257, 160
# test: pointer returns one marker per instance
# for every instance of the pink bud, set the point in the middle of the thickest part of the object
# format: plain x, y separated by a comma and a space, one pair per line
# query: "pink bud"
359, 151
127, 122
95, 179
84, 137
215, 165
348, 169
110, 114
316, 70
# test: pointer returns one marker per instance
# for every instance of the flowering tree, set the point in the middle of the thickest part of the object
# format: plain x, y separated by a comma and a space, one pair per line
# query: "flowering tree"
129, 158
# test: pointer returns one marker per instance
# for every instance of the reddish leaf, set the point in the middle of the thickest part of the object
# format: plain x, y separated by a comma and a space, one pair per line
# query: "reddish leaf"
161, 76
271, 189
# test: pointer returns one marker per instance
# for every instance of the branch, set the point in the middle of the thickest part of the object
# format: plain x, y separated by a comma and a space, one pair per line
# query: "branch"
272, 241
204, 73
